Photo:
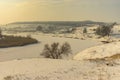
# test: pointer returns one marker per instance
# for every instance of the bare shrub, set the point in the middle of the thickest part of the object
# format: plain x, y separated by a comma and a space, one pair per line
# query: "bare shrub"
55, 51
8, 78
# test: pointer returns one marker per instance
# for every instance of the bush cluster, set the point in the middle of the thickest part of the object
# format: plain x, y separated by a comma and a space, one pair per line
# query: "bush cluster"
55, 51
105, 30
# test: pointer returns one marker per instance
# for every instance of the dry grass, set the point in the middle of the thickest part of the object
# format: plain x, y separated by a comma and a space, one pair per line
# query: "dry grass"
12, 41
113, 57
109, 58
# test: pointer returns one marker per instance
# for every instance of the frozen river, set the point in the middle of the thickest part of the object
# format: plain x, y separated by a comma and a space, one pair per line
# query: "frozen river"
33, 51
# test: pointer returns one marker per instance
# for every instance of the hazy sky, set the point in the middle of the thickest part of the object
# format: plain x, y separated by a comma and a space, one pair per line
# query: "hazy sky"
58, 10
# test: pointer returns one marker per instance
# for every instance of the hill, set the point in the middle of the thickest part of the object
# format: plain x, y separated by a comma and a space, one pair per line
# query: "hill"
64, 23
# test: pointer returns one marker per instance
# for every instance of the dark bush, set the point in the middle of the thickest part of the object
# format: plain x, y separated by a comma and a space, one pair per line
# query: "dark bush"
55, 51
85, 30
104, 30
39, 28
8, 78
0, 33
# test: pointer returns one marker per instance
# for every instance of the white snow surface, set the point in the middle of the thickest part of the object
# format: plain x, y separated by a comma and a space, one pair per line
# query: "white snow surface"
48, 69
100, 51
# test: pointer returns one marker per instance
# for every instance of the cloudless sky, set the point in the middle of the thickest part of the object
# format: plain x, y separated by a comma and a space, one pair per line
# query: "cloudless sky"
59, 10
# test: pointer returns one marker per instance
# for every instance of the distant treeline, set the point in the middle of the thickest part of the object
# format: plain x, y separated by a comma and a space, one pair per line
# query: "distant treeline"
63, 23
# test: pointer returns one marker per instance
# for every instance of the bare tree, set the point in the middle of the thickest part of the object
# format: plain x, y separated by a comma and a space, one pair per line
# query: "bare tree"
55, 51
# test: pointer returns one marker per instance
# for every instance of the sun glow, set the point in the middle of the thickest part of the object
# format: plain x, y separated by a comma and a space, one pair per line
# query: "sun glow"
47, 10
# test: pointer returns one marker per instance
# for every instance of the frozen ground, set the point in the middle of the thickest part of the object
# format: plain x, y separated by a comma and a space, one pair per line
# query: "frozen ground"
99, 52
46, 69
86, 63
33, 51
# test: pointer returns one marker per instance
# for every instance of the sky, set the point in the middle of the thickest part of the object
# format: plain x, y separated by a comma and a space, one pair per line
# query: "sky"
59, 10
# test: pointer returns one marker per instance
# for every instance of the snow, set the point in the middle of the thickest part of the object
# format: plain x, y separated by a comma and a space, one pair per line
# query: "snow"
48, 69
100, 51
25, 63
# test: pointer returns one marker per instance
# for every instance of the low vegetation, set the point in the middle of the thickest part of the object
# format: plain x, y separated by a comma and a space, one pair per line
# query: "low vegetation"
55, 51
85, 30
108, 58
12, 41
8, 78
105, 30
113, 57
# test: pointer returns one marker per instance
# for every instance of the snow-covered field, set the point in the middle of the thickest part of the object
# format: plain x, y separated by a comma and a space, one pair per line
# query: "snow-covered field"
25, 63
46, 69
99, 52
